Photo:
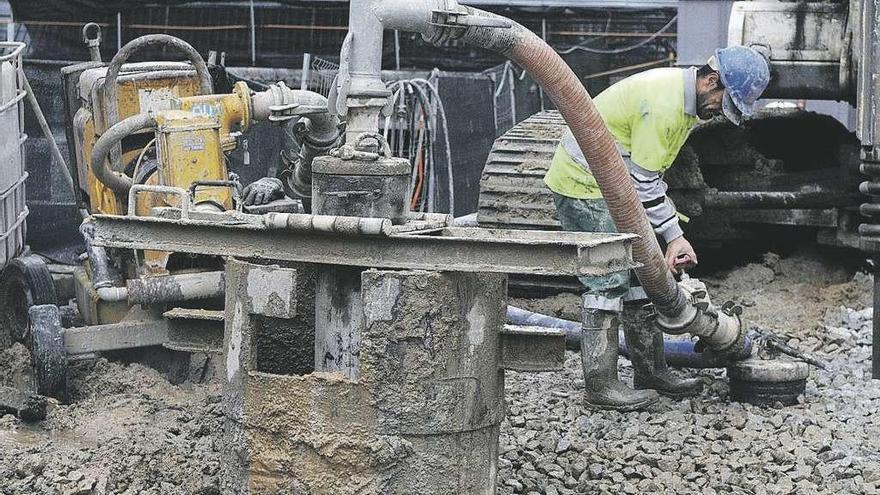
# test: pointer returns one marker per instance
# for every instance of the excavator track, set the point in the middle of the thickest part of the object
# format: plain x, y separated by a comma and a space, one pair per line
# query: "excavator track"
512, 190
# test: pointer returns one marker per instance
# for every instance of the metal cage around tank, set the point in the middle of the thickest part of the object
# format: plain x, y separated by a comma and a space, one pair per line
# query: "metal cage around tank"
13, 175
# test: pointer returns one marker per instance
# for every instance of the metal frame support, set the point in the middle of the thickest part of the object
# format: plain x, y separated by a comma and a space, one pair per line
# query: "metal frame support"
444, 249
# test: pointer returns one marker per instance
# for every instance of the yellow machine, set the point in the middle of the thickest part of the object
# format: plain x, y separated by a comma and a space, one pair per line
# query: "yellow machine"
148, 135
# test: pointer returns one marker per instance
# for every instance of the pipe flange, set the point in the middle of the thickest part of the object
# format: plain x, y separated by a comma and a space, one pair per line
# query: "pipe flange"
241, 90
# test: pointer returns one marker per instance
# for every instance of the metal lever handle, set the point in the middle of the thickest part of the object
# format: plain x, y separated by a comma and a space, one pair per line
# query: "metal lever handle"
92, 42
183, 194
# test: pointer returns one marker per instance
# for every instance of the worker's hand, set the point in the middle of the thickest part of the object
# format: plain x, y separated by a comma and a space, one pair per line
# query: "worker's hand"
262, 191
680, 255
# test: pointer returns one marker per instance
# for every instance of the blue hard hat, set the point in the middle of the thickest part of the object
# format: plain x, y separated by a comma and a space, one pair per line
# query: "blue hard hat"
745, 74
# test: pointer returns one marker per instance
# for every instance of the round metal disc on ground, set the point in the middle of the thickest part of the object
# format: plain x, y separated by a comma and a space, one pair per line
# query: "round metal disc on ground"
765, 382
47, 351
24, 282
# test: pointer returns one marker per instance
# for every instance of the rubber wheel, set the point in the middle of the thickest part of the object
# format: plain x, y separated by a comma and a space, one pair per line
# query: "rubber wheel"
47, 351
767, 393
24, 282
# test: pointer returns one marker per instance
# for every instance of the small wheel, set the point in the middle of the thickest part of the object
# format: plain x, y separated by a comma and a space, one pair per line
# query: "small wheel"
47, 351
24, 282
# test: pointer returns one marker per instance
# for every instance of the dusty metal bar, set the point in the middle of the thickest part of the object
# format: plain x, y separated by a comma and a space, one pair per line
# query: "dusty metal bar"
778, 199
448, 249
804, 218
114, 336
174, 288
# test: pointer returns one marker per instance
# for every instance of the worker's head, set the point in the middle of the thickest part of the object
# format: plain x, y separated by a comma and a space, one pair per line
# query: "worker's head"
710, 92
731, 82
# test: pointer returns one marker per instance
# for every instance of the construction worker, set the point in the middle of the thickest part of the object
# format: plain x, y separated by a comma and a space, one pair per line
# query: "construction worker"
650, 115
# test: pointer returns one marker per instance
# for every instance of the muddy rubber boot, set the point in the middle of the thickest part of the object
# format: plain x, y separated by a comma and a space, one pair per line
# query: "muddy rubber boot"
602, 387
645, 344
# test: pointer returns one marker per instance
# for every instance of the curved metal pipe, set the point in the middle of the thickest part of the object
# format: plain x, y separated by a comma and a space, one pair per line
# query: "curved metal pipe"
319, 133
104, 273
117, 181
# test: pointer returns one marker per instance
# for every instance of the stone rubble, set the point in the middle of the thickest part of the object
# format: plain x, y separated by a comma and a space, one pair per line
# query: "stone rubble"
828, 443
131, 432
128, 432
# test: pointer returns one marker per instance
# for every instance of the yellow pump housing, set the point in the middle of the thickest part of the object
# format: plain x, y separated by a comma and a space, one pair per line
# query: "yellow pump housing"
189, 151
140, 88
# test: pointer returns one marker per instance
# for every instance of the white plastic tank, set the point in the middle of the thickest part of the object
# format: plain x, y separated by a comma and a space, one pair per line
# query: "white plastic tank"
13, 210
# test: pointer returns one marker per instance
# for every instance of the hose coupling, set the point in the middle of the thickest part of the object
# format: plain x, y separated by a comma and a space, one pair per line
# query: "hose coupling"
720, 330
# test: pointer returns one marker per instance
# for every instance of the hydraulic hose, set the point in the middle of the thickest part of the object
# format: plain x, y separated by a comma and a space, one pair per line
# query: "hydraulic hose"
557, 79
117, 181
679, 353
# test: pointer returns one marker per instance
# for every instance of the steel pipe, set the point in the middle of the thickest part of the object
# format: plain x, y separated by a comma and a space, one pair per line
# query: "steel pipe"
112, 294
778, 199
679, 353
176, 288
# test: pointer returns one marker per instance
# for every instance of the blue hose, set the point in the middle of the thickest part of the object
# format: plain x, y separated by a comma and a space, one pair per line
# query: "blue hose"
679, 353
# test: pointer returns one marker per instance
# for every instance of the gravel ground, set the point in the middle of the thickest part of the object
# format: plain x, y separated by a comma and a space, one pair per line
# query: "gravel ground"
131, 432
829, 443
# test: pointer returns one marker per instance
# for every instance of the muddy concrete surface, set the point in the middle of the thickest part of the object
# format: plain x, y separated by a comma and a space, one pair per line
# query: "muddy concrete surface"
129, 431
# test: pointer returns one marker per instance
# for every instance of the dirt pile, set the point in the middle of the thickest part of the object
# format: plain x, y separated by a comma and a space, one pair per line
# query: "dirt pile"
128, 431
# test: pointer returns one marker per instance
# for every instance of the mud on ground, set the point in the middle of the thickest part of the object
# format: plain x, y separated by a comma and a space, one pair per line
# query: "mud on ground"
129, 431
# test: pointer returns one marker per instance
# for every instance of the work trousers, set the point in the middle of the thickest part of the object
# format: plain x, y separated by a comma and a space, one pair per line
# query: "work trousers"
591, 215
